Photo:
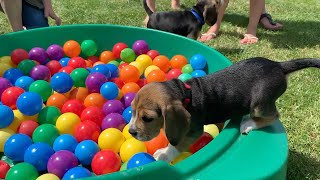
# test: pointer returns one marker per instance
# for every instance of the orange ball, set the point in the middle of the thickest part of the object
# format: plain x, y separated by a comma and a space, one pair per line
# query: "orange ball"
94, 99
97, 63
156, 76
56, 100
178, 61
107, 56
162, 62
129, 73
88, 63
156, 143
72, 48
79, 93
130, 87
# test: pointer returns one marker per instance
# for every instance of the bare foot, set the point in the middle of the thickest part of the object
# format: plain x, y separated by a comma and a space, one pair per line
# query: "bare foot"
268, 23
249, 39
175, 4
211, 34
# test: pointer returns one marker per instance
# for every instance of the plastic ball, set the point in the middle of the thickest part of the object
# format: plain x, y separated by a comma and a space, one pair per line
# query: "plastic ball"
93, 114
89, 47
18, 119
181, 157
21, 171
94, 99
103, 69
10, 95
87, 130
43, 88
184, 76
85, 151
64, 61
4, 84
7, 60
16, 145
12, 74
198, 62
212, 129
156, 143
113, 70
131, 147
66, 69
27, 127
149, 69
19, 55
139, 66
77, 62
55, 52
127, 99
93, 59
26, 66
140, 159
144, 60
46, 133
40, 72
130, 87
65, 142
127, 55
117, 48
49, 115
122, 65
126, 133
4, 68
124, 166
153, 53
187, 69
79, 93
74, 106
67, 122
38, 54
174, 74
129, 73
140, 47
114, 62
113, 120
94, 82
24, 82
57, 100
4, 168
118, 82
5, 133
29, 103
127, 114
6, 116
156, 76
178, 61
79, 76
105, 162
38, 155
106, 57
48, 176
71, 48
112, 139
54, 66
113, 106
198, 73
60, 162
77, 173
109, 90
162, 62
203, 140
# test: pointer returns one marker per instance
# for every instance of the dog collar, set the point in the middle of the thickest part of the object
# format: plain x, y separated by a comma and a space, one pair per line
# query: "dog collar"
187, 99
198, 16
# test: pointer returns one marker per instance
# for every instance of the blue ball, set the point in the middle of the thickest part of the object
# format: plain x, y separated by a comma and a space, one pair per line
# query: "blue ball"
86, 150
64, 61
89, 69
140, 159
114, 70
61, 82
16, 145
198, 62
198, 73
109, 90
65, 142
76, 173
38, 155
24, 82
12, 74
29, 103
103, 69
127, 114
6, 116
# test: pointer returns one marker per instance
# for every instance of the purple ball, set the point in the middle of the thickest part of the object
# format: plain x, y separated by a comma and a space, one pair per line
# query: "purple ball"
140, 47
127, 99
113, 106
38, 54
55, 52
61, 161
40, 72
94, 81
113, 120
4, 84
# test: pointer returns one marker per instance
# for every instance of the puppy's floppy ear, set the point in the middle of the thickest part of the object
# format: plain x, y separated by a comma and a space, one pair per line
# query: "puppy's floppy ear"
176, 122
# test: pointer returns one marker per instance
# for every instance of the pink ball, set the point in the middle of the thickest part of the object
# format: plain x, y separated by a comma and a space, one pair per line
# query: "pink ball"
27, 127
113, 120
60, 162
140, 47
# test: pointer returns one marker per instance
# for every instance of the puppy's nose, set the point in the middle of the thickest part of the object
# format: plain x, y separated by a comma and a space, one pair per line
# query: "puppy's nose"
133, 132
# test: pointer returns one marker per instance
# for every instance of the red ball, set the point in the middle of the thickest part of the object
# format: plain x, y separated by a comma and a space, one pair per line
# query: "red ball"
54, 66
93, 59
27, 127
142, 82
77, 62
10, 95
118, 82
153, 53
74, 106
87, 130
19, 55
174, 74
92, 113
66, 69
105, 162
203, 140
117, 48
122, 65
4, 168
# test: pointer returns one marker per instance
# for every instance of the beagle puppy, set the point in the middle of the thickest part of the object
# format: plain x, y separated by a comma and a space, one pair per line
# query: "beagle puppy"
185, 23
250, 87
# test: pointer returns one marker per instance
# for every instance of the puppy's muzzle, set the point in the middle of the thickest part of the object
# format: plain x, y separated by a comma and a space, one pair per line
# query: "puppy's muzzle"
133, 132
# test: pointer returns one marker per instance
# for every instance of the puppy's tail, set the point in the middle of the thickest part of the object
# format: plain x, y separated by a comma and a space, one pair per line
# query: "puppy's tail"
297, 64
146, 8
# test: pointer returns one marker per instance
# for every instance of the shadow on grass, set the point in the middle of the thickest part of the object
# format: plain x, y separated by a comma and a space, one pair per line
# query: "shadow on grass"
301, 166
296, 34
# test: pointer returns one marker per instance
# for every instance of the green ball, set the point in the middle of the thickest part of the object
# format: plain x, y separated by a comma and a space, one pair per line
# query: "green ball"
187, 69
46, 133
26, 65
22, 171
124, 166
43, 88
127, 55
49, 115
79, 77
183, 77
89, 47
116, 63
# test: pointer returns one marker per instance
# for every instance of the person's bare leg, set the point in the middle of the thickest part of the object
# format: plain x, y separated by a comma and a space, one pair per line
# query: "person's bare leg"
13, 10
175, 4
152, 5
213, 31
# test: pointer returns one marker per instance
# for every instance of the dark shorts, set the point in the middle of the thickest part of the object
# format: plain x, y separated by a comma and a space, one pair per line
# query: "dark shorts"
33, 17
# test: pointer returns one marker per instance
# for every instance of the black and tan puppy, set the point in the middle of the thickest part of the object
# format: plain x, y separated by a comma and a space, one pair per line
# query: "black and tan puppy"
251, 87
185, 23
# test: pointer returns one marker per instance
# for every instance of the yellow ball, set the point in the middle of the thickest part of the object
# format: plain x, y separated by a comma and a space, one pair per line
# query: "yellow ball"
139, 66
181, 157
149, 69
212, 129
126, 133
3, 68
5, 133
48, 176
7, 60
120, 95
112, 139
18, 119
131, 147
144, 60
67, 122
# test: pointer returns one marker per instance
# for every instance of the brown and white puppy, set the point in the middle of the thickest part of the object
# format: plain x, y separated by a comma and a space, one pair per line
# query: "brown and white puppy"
251, 87
185, 23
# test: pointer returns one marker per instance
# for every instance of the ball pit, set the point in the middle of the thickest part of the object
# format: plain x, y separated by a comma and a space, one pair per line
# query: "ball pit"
207, 157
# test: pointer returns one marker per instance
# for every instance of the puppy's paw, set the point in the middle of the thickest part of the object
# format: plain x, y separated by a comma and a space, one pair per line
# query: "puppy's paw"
247, 126
166, 154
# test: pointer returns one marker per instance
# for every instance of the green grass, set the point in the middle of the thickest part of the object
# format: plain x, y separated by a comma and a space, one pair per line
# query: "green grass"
299, 106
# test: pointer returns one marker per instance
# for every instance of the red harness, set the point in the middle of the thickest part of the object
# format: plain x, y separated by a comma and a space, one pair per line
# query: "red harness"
187, 100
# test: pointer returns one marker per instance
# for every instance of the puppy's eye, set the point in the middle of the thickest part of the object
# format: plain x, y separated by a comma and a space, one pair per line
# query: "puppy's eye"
147, 119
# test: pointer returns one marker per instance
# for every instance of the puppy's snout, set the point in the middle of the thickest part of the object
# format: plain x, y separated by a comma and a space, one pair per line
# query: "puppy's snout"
133, 132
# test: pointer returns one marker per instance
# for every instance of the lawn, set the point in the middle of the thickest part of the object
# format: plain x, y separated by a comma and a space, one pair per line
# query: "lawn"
299, 106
